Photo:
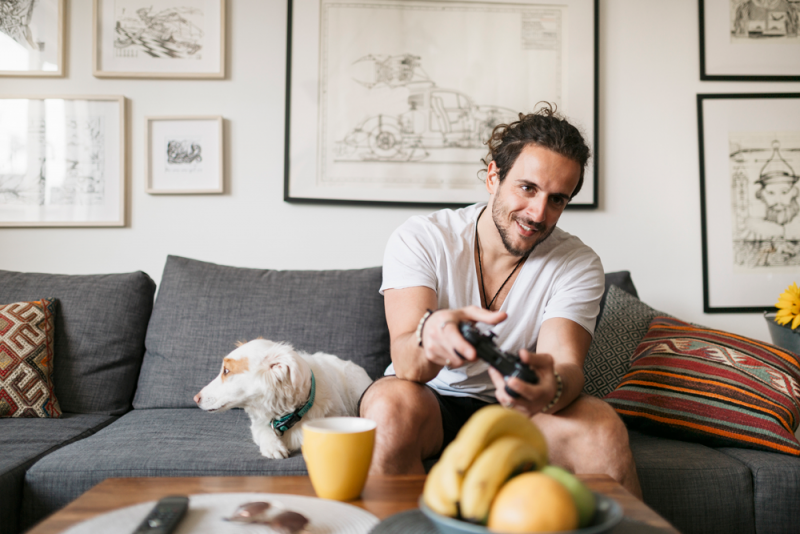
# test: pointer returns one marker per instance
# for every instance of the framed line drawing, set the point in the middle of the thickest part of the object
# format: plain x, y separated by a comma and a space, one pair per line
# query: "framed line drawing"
164, 39
32, 38
390, 102
184, 155
749, 40
64, 162
749, 195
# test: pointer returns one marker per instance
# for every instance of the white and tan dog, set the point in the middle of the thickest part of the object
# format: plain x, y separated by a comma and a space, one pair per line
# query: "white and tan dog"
272, 381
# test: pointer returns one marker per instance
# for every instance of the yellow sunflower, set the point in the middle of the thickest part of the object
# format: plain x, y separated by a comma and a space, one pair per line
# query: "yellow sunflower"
789, 307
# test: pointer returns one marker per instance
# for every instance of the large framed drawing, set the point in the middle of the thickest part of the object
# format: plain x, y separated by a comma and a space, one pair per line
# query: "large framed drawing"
390, 101
749, 191
749, 40
164, 39
63, 161
32, 38
184, 155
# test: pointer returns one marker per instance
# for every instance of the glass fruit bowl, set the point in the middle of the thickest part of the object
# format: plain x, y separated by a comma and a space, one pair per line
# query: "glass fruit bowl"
607, 514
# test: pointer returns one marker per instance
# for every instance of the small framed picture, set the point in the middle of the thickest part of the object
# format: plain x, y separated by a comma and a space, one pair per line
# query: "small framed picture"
63, 161
749, 40
32, 38
749, 198
164, 39
184, 155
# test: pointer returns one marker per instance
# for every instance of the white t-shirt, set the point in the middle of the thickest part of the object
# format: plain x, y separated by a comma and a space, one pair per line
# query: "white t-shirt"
561, 278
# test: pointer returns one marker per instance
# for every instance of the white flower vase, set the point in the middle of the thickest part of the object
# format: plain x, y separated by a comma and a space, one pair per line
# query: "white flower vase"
782, 335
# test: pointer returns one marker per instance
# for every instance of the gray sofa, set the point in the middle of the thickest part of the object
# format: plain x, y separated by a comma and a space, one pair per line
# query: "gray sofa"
126, 369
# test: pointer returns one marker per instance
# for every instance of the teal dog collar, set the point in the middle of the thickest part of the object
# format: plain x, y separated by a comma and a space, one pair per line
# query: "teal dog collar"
283, 424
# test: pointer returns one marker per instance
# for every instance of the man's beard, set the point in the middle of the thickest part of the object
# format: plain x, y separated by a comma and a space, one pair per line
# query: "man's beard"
499, 214
782, 214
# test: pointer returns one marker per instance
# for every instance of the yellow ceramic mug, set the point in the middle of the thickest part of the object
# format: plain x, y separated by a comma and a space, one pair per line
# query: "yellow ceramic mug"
338, 451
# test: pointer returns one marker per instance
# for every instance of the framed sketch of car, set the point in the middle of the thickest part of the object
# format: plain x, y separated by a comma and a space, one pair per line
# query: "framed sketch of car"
392, 103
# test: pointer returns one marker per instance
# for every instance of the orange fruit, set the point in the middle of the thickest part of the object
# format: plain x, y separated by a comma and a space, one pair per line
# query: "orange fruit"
533, 502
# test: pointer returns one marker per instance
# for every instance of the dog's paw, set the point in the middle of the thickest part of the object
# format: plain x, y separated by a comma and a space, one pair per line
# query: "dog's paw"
275, 450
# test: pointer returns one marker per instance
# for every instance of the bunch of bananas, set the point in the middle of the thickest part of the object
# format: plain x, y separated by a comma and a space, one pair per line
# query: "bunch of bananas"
495, 444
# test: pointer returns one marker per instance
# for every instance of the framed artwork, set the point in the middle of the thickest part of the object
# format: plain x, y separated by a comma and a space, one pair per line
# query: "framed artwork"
184, 155
164, 39
750, 40
749, 194
63, 161
32, 38
391, 102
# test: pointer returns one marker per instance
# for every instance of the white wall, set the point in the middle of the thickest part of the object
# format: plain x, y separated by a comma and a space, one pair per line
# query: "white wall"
649, 216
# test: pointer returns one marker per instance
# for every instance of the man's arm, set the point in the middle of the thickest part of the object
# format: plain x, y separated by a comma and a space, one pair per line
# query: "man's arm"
562, 346
441, 338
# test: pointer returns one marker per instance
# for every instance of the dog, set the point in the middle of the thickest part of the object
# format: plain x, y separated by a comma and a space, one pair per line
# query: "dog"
273, 383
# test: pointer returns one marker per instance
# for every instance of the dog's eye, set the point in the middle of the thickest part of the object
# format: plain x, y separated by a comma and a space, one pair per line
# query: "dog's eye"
225, 371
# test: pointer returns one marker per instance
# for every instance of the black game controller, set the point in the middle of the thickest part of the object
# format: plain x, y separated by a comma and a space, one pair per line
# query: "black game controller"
508, 364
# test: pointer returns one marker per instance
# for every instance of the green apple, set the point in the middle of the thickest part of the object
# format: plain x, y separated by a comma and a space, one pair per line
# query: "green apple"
584, 499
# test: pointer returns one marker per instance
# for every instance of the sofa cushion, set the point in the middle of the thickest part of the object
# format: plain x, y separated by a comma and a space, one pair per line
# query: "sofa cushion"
621, 327
776, 489
621, 279
151, 443
696, 488
22, 442
203, 309
99, 334
712, 387
26, 359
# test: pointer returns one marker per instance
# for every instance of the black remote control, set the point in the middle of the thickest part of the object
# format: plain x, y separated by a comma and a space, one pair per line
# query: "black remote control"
508, 364
164, 516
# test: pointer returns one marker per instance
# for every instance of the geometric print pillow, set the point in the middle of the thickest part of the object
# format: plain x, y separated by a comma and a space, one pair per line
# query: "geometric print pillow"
622, 326
26, 360
712, 387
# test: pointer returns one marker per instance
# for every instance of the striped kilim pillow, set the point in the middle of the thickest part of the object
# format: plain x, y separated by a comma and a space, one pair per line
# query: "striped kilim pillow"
26, 360
712, 387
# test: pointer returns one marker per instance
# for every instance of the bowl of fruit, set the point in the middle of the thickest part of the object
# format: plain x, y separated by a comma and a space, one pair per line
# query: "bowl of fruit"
495, 477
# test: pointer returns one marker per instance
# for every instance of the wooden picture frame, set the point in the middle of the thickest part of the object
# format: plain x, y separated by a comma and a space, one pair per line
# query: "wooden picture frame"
749, 41
749, 147
66, 164
184, 155
389, 103
32, 41
169, 39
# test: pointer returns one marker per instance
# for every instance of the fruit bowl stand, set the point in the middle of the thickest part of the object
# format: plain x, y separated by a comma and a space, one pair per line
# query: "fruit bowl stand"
607, 515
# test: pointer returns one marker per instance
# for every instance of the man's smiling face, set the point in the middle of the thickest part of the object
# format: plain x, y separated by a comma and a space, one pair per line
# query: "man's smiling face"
527, 204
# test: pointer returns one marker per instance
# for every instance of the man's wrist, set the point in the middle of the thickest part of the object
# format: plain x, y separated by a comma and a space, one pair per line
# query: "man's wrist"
559, 391
421, 325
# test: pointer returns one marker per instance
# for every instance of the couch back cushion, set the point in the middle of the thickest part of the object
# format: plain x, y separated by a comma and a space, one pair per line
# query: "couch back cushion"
100, 325
203, 309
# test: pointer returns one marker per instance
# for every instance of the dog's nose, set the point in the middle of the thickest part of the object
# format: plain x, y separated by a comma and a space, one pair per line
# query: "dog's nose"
197, 398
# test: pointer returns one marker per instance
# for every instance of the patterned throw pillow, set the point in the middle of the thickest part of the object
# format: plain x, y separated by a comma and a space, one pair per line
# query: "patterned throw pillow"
712, 387
26, 360
622, 326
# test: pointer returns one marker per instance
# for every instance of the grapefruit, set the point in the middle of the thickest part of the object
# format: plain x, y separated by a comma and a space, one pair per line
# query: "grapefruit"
533, 502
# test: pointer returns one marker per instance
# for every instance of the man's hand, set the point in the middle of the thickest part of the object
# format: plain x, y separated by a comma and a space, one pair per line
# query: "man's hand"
532, 397
442, 341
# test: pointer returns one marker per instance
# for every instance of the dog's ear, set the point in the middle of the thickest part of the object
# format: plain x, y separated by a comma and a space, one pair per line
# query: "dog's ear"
280, 370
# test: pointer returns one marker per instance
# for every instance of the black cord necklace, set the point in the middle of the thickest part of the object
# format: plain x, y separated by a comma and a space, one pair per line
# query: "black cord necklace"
480, 265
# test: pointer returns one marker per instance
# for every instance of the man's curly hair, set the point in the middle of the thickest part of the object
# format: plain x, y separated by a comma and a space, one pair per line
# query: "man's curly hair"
545, 128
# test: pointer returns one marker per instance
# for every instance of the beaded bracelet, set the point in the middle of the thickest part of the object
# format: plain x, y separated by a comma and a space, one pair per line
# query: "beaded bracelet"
421, 325
557, 396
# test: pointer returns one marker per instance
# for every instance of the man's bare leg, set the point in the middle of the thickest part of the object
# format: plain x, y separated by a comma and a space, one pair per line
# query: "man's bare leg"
589, 437
409, 425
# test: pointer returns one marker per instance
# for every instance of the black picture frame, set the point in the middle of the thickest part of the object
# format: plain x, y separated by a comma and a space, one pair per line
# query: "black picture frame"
721, 278
706, 75
592, 171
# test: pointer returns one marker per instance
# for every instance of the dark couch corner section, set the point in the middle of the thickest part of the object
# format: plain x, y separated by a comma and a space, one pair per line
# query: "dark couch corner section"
111, 351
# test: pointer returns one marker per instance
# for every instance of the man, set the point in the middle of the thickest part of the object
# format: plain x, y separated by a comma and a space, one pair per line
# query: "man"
503, 264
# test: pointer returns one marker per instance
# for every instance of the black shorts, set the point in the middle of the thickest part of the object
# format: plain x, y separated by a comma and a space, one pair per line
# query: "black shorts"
455, 412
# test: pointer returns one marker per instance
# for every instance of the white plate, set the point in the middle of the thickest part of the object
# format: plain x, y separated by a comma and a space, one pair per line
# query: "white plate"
206, 513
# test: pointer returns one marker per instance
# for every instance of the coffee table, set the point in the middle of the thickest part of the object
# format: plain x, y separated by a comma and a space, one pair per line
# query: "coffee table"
383, 496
